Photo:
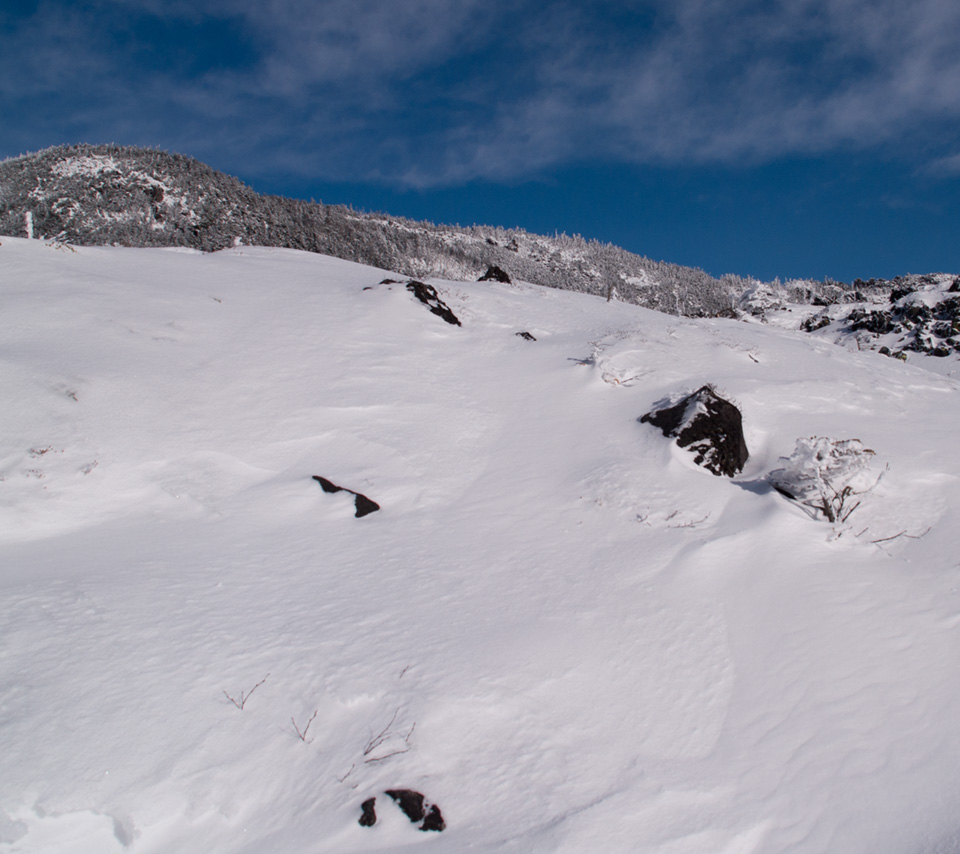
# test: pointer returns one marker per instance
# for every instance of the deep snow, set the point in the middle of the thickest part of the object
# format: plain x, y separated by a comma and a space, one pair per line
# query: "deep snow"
570, 638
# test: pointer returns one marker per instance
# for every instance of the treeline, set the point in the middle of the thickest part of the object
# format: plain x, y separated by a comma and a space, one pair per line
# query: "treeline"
108, 194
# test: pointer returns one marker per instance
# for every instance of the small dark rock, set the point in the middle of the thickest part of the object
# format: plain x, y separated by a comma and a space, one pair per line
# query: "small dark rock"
368, 817
917, 312
409, 801
955, 287
427, 294
942, 329
815, 322
326, 485
363, 505
709, 426
495, 274
526, 336
433, 820
389, 282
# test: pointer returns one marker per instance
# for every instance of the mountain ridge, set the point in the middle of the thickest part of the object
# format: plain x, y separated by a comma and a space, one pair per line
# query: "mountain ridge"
103, 194
133, 196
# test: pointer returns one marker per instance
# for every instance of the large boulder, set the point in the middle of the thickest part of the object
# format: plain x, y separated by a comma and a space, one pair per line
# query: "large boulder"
707, 425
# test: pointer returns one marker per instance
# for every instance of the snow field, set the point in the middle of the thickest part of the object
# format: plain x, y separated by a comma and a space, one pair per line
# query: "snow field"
566, 635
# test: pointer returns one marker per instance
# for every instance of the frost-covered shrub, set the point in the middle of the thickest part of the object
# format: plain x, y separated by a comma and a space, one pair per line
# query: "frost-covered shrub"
826, 475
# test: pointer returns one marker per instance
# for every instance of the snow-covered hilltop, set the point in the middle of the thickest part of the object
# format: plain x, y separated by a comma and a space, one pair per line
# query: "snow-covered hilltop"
98, 195
554, 626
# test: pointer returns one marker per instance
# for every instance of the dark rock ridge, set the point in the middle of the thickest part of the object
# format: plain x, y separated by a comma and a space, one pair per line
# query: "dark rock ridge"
427, 294
526, 336
709, 426
413, 805
363, 505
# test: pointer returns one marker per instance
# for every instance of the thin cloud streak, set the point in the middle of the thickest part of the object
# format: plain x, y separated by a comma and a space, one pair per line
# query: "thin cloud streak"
436, 92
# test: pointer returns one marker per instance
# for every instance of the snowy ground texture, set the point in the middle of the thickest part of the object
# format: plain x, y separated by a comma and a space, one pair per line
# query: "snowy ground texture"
557, 628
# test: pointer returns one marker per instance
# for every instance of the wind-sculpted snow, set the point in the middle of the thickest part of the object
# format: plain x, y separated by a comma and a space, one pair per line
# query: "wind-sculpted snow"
558, 628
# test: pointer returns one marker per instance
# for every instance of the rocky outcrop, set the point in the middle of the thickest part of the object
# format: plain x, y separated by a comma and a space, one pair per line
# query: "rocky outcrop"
707, 425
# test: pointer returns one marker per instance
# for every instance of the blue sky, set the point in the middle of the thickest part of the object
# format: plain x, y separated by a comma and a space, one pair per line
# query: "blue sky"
798, 138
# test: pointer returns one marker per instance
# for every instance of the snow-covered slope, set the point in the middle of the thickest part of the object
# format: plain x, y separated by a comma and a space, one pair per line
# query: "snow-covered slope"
557, 628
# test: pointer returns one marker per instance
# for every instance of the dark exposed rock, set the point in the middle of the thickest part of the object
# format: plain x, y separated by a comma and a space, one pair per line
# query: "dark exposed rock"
877, 322
413, 805
942, 329
711, 427
409, 801
363, 505
495, 274
526, 336
900, 291
815, 322
955, 286
433, 820
368, 815
427, 294
917, 312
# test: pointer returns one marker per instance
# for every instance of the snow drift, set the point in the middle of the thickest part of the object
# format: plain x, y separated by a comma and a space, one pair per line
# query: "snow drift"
556, 627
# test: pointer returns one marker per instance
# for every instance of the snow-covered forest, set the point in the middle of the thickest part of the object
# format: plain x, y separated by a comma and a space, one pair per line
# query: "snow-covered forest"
100, 195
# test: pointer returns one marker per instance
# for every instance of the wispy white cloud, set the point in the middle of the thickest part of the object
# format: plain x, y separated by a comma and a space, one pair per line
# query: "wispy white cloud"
944, 166
428, 92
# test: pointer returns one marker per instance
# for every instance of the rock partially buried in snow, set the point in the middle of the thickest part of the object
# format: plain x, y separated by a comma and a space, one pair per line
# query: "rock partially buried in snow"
495, 274
364, 506
427, 294
711, 427
368, 815
413, 805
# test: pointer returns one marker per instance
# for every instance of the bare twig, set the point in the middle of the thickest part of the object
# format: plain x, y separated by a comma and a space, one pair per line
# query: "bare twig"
401, 742
344, 777
303, 735
903, 533
691, 524
378, 739
244, 696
